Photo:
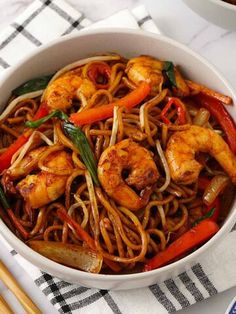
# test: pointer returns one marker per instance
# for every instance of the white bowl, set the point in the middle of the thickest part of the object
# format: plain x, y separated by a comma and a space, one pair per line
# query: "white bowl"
48, 59
216, 11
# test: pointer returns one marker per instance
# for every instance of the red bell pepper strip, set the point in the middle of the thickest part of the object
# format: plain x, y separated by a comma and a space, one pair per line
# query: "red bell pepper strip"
62, 214
186, 242
106, 111
17, 224
210, 212
218, 111
5, 157
99, 70
181, 112
42, 112
12, 216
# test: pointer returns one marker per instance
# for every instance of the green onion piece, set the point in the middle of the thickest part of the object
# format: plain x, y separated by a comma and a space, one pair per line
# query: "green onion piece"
3, 199
33, 85
169, 70
54, 114
76, 136
209, 214
80, 141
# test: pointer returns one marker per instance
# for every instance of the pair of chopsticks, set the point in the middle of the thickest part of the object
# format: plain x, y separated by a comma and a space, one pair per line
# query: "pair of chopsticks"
16, 289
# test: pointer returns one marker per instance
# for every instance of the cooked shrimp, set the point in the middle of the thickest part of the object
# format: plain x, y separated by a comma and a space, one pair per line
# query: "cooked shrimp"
44, 187
87, 89
146, 69
26, 165
143, 173
60, 93
134, 133
149, 69
181, 149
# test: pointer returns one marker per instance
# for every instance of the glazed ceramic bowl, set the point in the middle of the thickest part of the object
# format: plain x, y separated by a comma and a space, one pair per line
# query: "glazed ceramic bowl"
52, 57
216, 11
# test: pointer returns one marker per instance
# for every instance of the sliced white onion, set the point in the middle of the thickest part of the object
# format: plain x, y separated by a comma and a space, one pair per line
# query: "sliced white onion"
78, 63
165, 165
201, 117
218, 184
115, 126
20, 154
15, 101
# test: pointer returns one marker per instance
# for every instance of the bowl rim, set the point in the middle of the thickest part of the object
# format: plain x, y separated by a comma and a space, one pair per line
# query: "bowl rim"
52, 267
224, 4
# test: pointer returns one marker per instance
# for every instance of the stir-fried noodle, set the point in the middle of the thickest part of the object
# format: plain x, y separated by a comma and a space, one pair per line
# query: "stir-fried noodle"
147, 154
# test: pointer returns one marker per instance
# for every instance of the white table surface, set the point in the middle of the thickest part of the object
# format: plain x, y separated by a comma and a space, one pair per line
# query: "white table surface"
176, 21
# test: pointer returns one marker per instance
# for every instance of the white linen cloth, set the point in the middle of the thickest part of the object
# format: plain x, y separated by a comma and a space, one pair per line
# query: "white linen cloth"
43, 21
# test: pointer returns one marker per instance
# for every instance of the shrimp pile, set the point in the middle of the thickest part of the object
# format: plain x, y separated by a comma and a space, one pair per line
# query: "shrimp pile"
132, 156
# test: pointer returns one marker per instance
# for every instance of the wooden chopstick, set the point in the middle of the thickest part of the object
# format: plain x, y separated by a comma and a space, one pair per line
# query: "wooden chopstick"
16, 289
4, 307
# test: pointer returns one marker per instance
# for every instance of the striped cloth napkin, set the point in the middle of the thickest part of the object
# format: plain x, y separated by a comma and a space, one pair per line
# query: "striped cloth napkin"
43, 21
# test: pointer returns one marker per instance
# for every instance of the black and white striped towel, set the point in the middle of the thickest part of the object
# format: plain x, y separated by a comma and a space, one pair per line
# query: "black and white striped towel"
43, 21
